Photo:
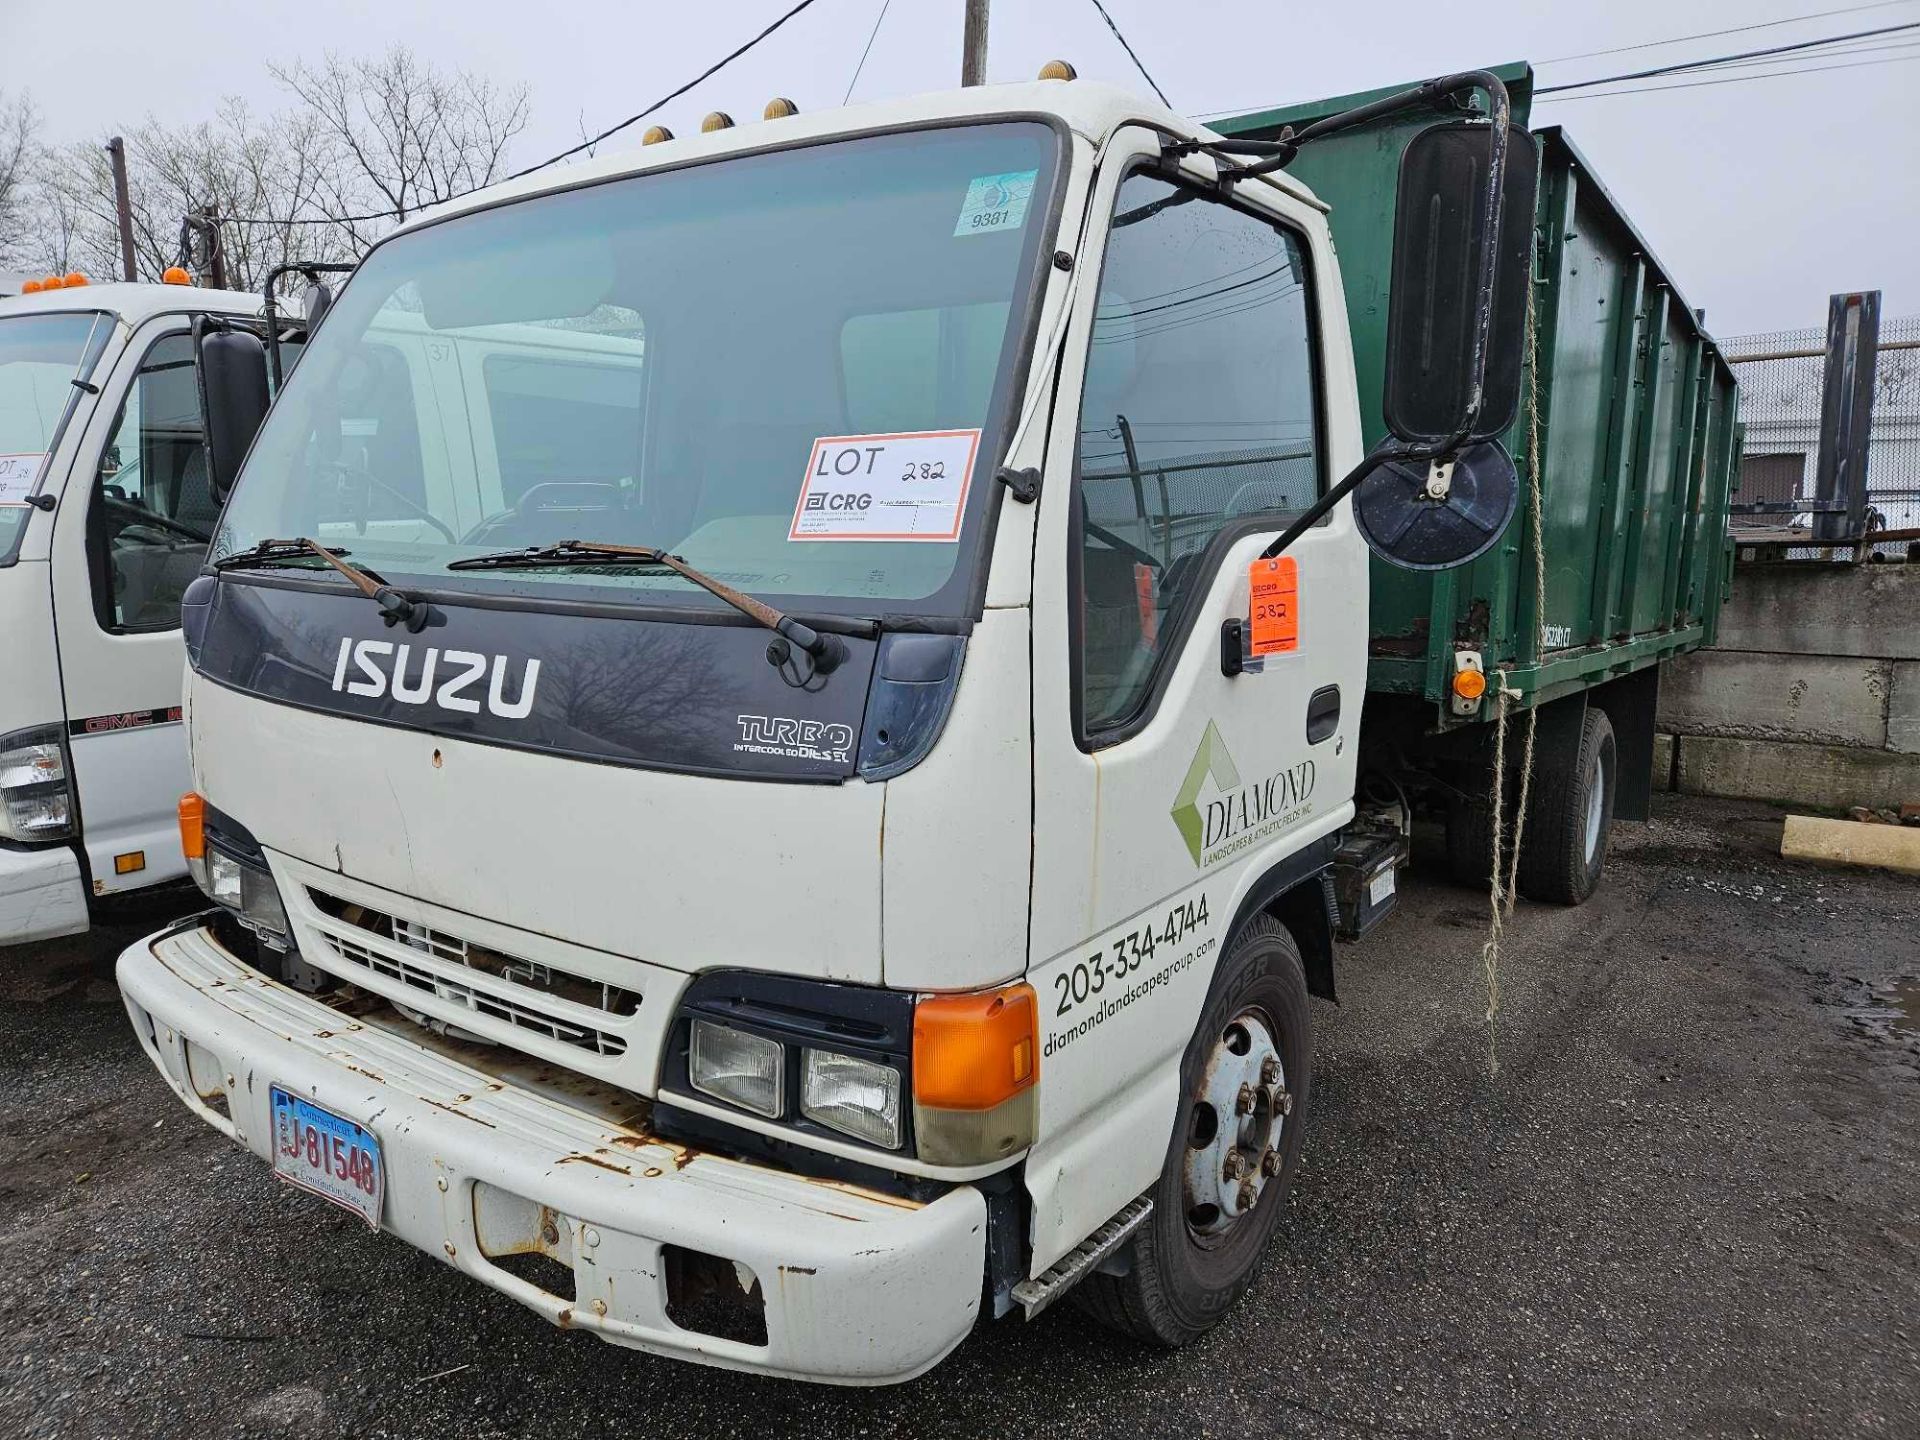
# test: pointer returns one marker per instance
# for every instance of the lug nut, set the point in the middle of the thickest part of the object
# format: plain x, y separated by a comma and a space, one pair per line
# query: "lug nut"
1246, 1101
1248, 1195
1270, 1070
1279, 1100
1270, 1164
1236, 1165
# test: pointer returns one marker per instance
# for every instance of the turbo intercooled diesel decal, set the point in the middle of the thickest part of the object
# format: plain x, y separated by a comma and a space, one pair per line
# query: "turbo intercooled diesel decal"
638, 685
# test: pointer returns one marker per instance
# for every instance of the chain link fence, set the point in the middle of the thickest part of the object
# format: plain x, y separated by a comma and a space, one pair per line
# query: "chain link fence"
1781, 376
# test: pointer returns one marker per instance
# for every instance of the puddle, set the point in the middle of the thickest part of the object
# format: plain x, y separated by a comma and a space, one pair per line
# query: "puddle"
1894, 1014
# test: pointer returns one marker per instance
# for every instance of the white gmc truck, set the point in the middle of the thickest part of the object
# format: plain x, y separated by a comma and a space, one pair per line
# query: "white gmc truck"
105, 514
792, 844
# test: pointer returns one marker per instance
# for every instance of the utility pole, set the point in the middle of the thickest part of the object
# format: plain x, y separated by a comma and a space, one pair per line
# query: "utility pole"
216, 252
123, 207
973, 52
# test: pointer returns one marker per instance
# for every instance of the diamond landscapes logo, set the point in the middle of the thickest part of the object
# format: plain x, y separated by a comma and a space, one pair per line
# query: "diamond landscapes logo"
1237, 815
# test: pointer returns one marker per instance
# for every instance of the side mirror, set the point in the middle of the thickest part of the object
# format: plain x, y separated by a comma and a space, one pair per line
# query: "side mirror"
232, 368
1441, 232
317, 301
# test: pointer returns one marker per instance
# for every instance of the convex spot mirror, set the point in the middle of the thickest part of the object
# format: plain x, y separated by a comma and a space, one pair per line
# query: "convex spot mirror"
1439, 241
1421, 515
232, 368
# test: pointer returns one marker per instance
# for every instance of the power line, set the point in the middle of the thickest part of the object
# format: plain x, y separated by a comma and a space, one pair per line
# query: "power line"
586, 144
1733, 79
1685, 66
1731, 30
873, 35
1131, 56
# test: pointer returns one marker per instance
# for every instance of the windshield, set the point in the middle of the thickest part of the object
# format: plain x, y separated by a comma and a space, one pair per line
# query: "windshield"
789, 369
40, 357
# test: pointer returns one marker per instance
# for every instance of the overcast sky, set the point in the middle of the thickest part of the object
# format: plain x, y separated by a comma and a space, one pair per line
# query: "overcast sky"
1761, 197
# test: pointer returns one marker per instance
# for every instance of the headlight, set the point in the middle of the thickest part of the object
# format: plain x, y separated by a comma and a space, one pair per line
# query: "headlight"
741, 1069
36, 796
853, 1096
247, 890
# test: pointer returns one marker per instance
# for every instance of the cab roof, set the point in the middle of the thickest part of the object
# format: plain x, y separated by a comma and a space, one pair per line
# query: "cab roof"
133, 303
1089, 109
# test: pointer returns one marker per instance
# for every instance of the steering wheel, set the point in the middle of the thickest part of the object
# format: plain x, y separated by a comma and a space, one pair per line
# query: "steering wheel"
347, 467
138, 514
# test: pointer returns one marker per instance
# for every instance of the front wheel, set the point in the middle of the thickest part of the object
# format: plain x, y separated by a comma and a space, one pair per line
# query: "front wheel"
1245, 1080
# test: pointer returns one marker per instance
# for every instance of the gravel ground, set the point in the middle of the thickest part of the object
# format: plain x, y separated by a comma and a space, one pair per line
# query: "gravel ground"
1687, 1203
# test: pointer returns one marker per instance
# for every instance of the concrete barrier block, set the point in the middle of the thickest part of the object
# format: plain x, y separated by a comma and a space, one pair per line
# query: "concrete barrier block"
1903, 708
1869, 610
1820, 699
1663, 760
1848, 842
1825, 777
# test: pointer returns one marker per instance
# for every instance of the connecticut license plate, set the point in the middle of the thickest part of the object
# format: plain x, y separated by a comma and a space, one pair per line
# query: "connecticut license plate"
334, 1157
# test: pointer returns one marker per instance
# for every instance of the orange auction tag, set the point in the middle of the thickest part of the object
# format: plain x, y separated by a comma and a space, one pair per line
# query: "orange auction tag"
1275, 588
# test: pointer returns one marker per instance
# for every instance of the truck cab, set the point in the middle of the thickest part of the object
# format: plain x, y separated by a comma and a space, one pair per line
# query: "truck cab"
799, 807
105, 517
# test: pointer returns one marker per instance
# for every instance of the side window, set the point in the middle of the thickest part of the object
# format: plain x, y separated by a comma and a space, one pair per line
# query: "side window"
152, 511
1200, 411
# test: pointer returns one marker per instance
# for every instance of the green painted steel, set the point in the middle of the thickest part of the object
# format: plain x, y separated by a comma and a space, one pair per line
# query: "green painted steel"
1638, 431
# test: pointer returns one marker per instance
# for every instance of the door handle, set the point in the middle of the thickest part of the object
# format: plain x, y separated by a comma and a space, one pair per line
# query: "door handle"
1323, 713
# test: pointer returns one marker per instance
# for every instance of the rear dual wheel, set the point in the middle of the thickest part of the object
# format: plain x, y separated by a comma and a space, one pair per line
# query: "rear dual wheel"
1245, 1078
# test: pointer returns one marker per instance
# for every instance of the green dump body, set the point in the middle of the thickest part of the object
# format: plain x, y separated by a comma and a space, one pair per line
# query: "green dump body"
1638, 433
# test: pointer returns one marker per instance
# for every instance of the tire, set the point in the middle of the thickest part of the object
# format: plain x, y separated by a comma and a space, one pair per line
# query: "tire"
1569, 816
1180, 1282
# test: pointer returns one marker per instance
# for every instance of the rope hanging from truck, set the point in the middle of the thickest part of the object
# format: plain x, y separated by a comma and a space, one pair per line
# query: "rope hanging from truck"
1501, 888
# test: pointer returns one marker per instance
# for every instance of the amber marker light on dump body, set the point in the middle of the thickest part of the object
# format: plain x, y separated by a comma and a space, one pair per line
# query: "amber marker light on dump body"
1469, 684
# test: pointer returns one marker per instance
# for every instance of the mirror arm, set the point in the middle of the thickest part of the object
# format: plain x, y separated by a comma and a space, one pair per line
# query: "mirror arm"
1385, 455
313, 270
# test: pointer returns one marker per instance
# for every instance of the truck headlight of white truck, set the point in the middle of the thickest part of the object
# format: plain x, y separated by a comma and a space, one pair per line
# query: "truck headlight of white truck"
36, 793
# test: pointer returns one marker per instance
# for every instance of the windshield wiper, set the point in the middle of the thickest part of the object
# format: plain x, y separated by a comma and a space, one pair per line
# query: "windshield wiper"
396, 608
826, 651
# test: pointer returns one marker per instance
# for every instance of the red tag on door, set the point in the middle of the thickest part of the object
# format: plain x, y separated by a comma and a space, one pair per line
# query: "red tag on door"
1149, 607
1274, 587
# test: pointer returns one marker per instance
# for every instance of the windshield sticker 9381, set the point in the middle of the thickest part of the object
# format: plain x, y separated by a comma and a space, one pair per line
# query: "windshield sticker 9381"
996, 202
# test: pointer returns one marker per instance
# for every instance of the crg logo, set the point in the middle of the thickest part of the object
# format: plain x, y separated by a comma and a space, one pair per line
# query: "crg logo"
456, 672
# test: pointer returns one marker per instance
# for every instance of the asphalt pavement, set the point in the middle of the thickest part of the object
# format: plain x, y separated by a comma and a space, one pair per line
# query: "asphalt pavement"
1687, 1203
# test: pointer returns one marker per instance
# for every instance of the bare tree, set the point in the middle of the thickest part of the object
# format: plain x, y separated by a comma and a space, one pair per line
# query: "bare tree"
399, 134
19, 126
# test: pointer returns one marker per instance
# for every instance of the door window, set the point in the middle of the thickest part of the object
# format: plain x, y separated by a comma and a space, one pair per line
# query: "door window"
152, 510
1200, 413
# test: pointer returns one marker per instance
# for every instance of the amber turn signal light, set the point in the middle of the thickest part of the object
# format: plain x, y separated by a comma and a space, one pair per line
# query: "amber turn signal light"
1470, 684
193, 826
971, 1052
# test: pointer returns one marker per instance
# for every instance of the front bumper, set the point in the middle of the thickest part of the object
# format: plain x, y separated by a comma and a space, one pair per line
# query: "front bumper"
42, 894
858, 1288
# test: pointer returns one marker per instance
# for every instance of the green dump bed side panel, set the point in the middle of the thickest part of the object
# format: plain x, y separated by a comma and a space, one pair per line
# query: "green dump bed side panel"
1638, 432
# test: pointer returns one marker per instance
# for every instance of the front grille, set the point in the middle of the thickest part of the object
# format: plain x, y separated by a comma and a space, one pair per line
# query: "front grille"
441, 958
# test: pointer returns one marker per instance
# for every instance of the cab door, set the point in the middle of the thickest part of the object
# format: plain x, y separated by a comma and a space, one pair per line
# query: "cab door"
130, 534
1206, 399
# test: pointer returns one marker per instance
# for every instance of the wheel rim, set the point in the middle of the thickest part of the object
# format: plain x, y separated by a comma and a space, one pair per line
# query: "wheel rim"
1596, 807
1234, 1127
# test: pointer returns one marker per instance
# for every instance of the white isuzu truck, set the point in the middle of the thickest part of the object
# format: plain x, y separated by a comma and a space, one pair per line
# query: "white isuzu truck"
105, 515
826, 825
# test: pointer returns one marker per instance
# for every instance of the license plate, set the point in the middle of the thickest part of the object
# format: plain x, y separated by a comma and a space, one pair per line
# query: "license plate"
336, 1158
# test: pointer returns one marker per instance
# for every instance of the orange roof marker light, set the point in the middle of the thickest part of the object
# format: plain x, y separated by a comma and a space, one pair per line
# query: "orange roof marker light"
175, 275
656, 135
780, 108
1058, 70
75, 279
31, 287
718, 120
52, 282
